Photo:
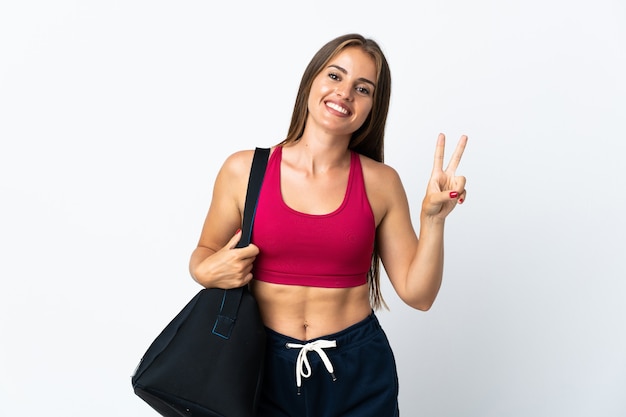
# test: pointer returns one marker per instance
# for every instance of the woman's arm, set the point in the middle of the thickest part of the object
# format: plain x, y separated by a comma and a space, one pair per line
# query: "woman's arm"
216, 262
415, 265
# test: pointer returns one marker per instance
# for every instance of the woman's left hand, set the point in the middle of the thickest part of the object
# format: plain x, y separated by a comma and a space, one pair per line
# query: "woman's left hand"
445, 190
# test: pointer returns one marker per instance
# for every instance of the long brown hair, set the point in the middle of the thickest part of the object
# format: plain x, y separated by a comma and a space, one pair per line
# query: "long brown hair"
368, 140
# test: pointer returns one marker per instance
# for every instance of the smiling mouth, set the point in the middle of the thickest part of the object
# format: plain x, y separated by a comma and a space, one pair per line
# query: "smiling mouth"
338, 108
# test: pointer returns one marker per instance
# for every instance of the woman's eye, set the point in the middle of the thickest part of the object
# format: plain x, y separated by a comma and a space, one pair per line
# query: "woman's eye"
363, 90
333, 76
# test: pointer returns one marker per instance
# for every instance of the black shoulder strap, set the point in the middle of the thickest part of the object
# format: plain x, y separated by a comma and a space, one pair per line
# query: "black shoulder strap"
230, 303
259, 163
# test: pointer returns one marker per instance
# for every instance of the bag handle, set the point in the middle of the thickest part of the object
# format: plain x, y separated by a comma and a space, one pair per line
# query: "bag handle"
232, 297
257, 171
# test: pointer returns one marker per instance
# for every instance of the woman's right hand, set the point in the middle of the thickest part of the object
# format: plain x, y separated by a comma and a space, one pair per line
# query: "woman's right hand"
229, 267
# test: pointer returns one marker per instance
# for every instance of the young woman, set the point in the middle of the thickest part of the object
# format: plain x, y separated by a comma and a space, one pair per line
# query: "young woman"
329, 212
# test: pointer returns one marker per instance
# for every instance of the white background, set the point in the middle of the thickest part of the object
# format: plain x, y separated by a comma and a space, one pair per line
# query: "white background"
116, 115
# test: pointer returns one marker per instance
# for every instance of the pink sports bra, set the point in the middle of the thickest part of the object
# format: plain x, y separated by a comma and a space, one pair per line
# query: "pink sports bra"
332, 250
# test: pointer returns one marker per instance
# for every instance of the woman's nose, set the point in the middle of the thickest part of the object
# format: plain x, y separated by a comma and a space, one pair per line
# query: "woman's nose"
344, 91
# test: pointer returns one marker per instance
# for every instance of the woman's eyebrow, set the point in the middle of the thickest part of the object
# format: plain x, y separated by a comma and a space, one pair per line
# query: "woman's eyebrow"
343, 70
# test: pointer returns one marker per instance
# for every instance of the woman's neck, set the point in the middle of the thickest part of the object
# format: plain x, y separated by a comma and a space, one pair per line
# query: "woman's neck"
318, 155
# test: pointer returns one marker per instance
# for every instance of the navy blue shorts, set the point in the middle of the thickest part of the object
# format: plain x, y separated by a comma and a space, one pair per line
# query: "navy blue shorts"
357, 378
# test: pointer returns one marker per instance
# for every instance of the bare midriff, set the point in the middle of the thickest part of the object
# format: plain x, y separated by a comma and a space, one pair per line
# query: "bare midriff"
305, 313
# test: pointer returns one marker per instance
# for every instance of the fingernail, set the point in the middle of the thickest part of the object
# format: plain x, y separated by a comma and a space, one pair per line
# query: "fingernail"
461, 201
454, 194
238, 230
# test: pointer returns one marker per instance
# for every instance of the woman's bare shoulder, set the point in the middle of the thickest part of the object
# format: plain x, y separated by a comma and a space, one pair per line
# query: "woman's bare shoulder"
383, 186
379, 173
235, 171
239, 161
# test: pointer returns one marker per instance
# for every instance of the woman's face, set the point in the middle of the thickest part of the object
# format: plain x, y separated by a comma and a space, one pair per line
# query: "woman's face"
342, 94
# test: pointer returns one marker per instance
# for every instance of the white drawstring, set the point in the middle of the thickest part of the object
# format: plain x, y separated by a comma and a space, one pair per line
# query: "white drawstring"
303, 367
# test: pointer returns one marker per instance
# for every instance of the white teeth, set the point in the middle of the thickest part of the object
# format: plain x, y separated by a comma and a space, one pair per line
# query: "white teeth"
337, 107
